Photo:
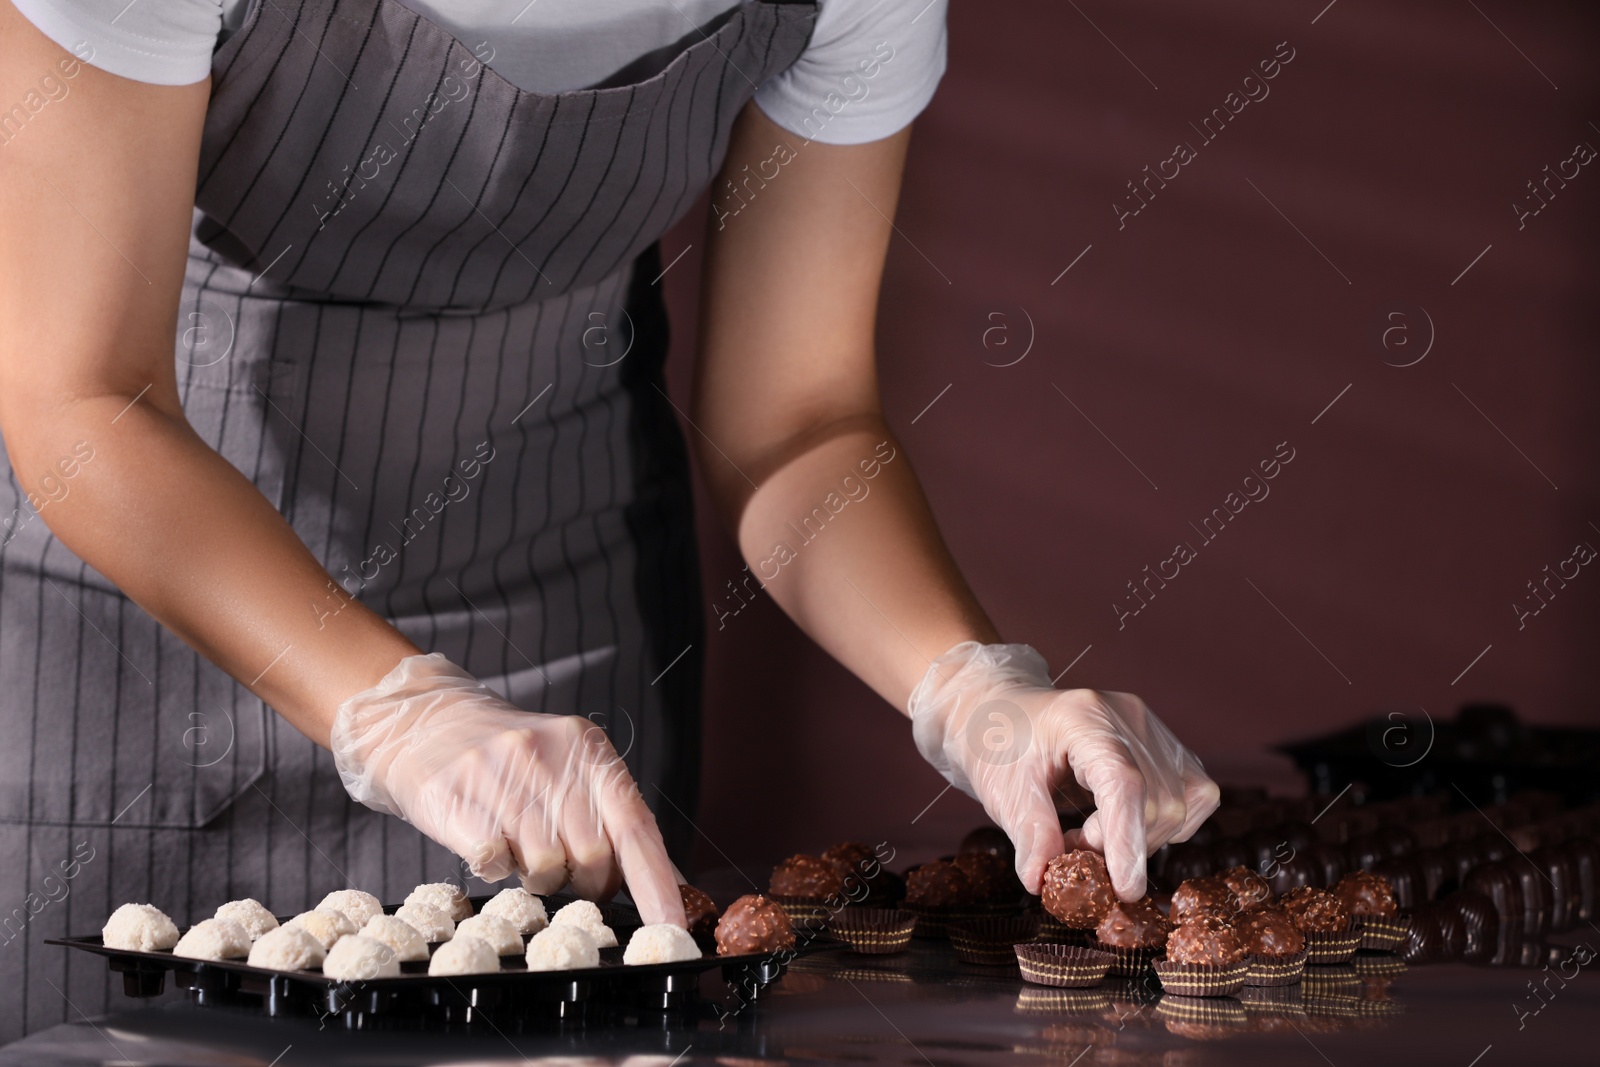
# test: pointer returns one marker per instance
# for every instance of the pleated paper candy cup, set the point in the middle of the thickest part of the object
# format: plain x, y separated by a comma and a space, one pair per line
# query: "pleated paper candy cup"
1062, 966
805, 913
1324, 948
873, 931
1129, 962
1056, 932
1202, 979
1381, 933
989, 942
1276, 970
936, 922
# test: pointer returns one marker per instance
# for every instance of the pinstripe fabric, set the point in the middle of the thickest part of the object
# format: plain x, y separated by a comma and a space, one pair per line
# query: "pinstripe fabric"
417, 353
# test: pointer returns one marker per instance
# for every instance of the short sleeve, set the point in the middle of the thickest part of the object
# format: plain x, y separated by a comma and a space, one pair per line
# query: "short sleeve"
162, 42
870, 69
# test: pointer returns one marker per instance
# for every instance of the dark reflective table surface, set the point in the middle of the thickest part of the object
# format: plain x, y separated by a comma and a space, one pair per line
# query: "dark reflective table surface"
922, 1007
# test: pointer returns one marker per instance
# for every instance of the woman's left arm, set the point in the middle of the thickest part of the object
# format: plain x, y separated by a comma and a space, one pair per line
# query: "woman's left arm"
800, 463
831, 519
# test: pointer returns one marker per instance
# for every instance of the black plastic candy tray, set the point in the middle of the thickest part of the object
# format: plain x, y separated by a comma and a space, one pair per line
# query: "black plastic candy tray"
415, 997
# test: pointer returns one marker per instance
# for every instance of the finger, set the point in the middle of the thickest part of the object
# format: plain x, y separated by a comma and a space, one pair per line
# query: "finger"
593, 871
1119, 822
467, 829
1201, 796
491, 859
1030, 820
642, 856
536, 849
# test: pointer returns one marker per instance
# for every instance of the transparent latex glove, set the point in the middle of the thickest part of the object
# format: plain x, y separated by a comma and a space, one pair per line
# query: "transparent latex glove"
510, 791
987, 717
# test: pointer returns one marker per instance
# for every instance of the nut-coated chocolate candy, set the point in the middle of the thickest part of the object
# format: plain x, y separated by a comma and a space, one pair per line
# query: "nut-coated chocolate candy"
1077, 889
939, 884
1133, 925
805, 876
990, 876
1315, 911
1248, 887
1204, 939
1203, 896
1267, 931
700, 910
1365, 893
753, 923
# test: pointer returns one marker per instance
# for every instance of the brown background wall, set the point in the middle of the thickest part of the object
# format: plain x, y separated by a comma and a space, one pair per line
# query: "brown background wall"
1198, 338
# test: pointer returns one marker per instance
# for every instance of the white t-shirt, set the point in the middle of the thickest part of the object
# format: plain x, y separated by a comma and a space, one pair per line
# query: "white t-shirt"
552, 46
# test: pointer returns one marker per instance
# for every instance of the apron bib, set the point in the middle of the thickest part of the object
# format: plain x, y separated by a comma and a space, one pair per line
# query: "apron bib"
422, 314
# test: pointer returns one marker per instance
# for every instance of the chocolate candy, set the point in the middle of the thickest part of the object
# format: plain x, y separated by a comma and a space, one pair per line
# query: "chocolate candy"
811, 877
1267, 931
940, 884
851, 857
700, 910
1560, 885
1501, 886
1365, 893
1205, 939
1406, 881
1248, 887
1315, 911
1077, 889
1464, 856
1230, 852
753, 923
1435, 870
1299, 835
990, 876
1584, 853
990, 839
865, 880
1396, 840
1185, 860
1203, 896
1422, 937
1133, 925
1452, 932
1536, 902
1331, 861
1293, 871
1479, 922
1365, 852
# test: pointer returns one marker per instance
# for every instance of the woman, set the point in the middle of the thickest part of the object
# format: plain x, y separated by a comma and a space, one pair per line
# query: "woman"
412, 482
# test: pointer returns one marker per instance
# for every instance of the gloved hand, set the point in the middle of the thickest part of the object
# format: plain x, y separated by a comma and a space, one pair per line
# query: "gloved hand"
988, 718
544, 796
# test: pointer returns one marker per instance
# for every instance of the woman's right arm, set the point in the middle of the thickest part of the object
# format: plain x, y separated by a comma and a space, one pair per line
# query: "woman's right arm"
97, 189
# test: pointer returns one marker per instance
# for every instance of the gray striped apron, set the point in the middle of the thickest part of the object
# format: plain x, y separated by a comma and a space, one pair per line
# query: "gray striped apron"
421, 315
